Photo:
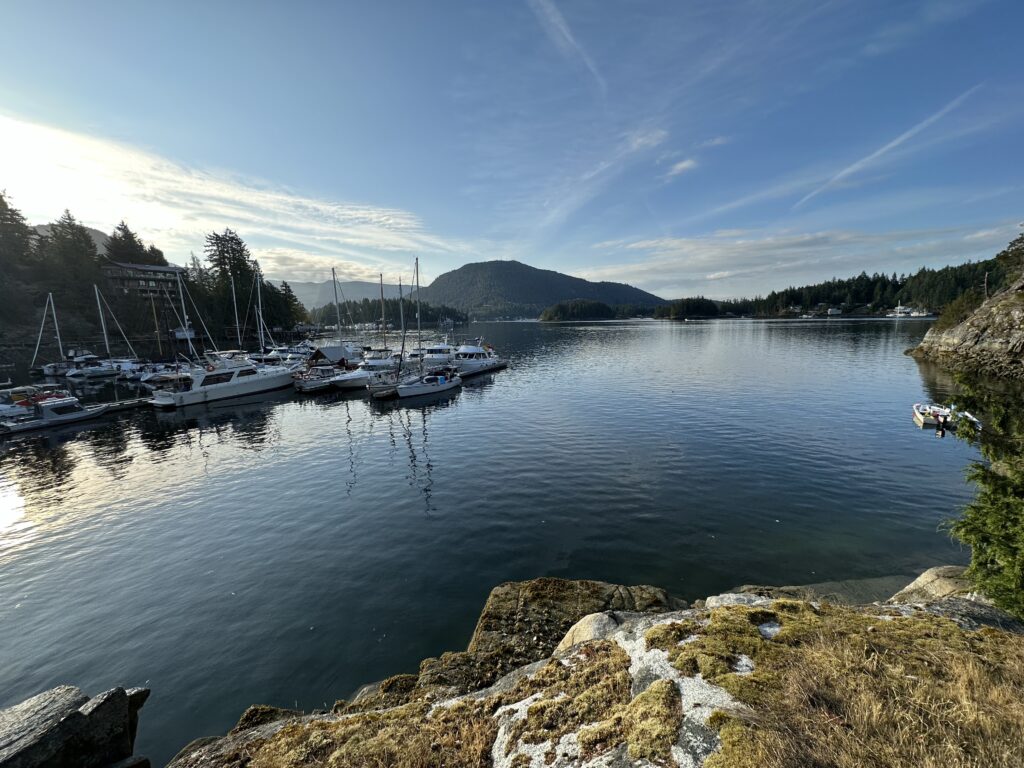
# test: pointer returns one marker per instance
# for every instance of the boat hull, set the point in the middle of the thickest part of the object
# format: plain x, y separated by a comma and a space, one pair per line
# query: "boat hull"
419, 388
54, 420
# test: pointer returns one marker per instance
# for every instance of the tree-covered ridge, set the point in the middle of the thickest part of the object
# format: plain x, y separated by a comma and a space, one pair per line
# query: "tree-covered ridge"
512, 289
686, 308
578, 309
929, 289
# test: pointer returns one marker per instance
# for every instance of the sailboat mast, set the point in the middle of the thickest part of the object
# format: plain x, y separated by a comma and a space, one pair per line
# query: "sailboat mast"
103, 320
419, 343
184, 315
337, 306
234, 304
259, 305
42, 327
156, 326
383, 317
56, 325
401, 318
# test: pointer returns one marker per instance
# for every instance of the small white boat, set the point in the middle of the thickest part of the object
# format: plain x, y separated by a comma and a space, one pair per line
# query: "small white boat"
930, 415
428, 385
18, 401
316, 379
382, 383
52, 413
926, 415
475, 357
90, 367
380, 359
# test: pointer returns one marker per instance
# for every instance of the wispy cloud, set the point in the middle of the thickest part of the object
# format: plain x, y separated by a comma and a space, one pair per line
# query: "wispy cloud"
878, 153
681, 167
930, 13
557, 30
716, 141
737, 263
46, 169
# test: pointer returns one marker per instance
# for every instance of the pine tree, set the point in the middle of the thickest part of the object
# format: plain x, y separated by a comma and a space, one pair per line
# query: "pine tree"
15, 237
125, 246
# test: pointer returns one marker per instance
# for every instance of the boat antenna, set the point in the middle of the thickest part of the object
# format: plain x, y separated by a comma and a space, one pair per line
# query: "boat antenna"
103, 320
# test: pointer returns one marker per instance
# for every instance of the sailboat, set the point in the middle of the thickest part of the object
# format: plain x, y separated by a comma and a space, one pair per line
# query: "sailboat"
50, 369
92, 367
432, 381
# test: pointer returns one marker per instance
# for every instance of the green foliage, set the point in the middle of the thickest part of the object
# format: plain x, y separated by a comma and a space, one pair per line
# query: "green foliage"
993, 524
578, 309
683, 308
959, 309
926, 289
126, 247
1011, 258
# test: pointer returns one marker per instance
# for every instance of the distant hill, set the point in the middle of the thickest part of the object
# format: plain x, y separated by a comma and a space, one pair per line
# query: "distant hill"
318, 294
512, 289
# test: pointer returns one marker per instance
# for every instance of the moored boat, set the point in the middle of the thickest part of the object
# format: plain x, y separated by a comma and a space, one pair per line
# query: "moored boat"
474, 357
222, 378
428, 385
316, 379
51, 413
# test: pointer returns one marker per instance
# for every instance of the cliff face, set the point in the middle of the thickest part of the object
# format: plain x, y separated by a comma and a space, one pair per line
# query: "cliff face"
756, 678
989, 342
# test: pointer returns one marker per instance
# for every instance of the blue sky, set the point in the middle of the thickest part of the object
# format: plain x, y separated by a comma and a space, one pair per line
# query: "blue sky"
723, 148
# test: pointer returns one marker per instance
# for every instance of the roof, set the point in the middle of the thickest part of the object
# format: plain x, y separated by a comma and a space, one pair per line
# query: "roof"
147, 267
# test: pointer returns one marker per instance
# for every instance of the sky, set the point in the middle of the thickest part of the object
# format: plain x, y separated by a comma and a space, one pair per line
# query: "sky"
715, 148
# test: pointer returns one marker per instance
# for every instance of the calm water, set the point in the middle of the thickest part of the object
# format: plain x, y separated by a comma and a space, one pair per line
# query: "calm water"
287, 550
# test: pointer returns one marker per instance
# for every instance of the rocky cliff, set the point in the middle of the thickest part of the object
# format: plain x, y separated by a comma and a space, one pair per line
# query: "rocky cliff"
989, 342
562, 673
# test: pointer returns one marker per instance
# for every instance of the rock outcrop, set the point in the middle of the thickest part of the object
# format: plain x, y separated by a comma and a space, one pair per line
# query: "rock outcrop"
989, 342
589, 674
64, 728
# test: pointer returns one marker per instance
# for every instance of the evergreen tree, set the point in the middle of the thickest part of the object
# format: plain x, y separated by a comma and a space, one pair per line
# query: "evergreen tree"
15, 237
125, 246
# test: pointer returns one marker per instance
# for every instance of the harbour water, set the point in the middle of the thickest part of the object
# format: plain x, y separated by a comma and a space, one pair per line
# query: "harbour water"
286, 549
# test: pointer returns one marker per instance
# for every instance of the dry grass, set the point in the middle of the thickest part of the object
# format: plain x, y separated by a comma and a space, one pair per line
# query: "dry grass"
846, 690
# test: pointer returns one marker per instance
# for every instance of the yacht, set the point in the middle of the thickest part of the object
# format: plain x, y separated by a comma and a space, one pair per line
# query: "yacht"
51, 413
91, 367
224, 376
476, 357
17, 401
900, 311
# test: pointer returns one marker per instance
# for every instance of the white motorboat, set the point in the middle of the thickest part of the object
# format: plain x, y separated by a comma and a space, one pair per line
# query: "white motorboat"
382, 383
378, 359
358, 378
91, 367
316, 379
222, 378
428, 385
51, 413
18, 401
476, 357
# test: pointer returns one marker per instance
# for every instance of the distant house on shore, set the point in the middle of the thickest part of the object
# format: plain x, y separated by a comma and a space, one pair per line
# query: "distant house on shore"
834, 311
144, 280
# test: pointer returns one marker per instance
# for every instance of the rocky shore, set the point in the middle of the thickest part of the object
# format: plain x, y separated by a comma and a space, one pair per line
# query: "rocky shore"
990, 342
584, 673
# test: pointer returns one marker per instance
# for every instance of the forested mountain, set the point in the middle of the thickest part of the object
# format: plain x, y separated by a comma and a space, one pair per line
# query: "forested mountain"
512, 289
